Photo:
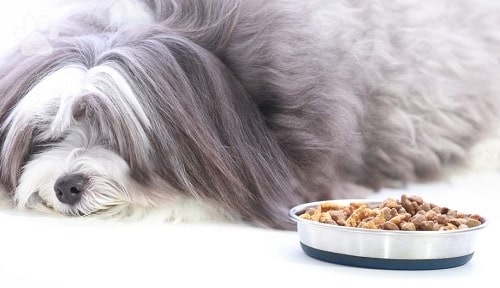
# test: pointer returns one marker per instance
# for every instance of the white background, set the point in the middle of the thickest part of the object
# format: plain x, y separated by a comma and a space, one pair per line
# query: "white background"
43, 251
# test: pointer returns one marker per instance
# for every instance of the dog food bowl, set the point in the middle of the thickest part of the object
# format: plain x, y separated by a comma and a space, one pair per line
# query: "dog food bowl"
383, 249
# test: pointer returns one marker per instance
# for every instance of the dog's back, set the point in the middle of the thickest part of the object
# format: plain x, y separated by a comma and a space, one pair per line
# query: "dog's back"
396, 90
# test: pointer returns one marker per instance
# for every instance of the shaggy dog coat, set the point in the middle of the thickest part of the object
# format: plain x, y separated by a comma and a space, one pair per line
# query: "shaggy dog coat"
245, 108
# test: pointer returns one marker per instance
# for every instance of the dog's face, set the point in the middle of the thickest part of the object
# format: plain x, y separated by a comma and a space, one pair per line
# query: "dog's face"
62, 141
86, 132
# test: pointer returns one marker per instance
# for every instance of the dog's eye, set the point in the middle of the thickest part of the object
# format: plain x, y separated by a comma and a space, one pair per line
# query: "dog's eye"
39, 147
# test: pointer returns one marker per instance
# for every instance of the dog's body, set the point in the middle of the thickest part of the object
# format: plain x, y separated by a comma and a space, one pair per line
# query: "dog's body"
245, 108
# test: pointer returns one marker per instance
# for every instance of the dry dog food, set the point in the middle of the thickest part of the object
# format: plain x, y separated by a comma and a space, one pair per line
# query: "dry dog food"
410, 213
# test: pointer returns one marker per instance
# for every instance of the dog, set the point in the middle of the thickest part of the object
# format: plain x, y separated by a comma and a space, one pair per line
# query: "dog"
239, 110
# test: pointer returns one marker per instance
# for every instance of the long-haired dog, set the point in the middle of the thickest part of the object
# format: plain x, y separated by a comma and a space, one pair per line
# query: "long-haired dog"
241, 109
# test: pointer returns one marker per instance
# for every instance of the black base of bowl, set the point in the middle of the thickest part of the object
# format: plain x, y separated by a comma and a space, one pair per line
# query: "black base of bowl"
390, 264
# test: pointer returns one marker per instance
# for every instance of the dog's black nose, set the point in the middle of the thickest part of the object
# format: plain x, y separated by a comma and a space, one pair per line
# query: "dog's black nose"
69, 188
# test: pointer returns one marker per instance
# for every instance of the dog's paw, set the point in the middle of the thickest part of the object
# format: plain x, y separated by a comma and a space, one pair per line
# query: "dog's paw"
485, 155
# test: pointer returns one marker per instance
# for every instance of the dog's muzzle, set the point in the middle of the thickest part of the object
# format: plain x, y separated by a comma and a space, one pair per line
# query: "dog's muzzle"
69, 188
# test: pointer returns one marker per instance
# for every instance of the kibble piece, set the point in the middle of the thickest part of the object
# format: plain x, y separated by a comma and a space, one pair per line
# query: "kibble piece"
398, 219
447, 227
418, 219
338, 216
429, 215
425, 207
379, 220
324, 217
436, 226
390, 203
441, 219
415, 198
408, 226
458, 221
367, 225
408, 205
472, 223
359, 214
387, 213
426, 225
390, 226
305, 216
436, 209
316, 215
327, 206
476, 217
394, 213
355, 217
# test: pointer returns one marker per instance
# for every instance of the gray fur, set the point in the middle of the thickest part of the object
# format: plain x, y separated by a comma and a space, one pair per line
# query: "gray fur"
260, 105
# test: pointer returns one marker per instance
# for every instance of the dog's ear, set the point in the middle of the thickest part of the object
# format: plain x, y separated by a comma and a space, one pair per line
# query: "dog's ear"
19, 75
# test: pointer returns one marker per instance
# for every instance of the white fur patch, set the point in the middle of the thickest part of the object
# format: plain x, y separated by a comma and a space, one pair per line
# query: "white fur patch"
52, 93
109, 83
106, 171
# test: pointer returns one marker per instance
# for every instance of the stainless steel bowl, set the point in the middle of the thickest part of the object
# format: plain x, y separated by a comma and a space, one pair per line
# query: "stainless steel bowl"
383, 249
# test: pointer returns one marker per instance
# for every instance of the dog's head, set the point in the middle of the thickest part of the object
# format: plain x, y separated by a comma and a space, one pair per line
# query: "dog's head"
112, 121
162, 111
78, 136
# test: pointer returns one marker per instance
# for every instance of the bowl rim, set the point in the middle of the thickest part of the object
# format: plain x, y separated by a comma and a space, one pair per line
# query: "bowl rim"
293, 214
